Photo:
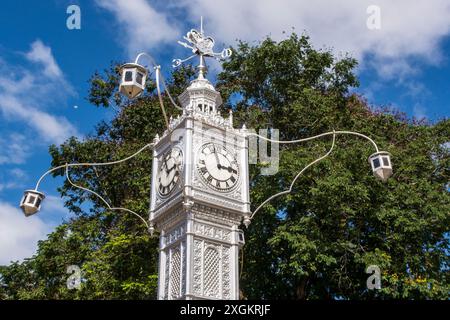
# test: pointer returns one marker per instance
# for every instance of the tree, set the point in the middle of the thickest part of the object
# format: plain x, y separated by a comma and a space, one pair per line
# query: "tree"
315, 243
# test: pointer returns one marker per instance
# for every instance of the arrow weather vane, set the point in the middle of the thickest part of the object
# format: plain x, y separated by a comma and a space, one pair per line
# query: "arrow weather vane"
201, 46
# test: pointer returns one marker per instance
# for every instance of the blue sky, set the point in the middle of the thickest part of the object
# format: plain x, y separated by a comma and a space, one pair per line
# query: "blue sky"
45, 67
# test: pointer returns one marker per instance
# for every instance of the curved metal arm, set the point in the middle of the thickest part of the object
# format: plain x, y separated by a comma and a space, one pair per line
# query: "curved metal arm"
92, 164
168, 93
296, 177
157, 67
161, 102
101, 198
317, 136
142, 54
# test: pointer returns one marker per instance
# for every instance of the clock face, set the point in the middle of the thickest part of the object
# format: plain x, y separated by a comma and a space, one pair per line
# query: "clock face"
218, 167
169, 172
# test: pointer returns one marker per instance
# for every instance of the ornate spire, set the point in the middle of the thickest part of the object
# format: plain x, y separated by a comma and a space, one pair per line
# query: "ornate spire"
201, 99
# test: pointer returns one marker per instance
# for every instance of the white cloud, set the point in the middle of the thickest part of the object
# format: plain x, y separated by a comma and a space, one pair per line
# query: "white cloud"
13, 149
52, 129
141, 27
43, 87
8, 185
42, 54
19, 235
18, 173
14, 180
390, 69
408, 29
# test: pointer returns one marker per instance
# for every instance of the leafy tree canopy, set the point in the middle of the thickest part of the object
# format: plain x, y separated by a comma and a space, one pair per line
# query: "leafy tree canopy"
314, 243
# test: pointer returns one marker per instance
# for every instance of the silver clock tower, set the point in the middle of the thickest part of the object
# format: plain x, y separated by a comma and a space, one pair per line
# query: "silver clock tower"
200, 192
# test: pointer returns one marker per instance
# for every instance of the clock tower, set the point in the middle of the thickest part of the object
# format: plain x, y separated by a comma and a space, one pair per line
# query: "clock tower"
200, 194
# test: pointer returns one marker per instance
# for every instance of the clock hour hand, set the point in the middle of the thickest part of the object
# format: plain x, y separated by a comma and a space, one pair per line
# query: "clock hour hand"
173, 167
230, 169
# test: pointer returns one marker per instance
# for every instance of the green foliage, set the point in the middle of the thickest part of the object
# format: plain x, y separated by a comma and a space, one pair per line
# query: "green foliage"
315, 243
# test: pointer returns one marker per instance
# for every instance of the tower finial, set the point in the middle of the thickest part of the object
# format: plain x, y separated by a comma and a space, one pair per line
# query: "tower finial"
201, 25
201, 68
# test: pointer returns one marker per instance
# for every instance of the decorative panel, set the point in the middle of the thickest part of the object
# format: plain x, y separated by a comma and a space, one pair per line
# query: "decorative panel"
226, 277
197, 278
175, 274
211, 275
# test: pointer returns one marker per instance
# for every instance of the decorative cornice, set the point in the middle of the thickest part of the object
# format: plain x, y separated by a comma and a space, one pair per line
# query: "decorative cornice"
212, 232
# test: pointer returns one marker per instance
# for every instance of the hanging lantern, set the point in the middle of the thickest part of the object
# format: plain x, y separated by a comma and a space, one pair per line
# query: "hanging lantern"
31, 202
381, 165
133, 78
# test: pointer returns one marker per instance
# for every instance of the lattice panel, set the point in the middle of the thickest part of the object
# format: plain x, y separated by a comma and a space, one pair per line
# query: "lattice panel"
166, 276
183, 273
197, 281
175, 274
226, 281
211, 278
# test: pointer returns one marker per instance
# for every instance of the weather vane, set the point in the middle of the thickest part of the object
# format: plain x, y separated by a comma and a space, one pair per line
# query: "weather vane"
200, 45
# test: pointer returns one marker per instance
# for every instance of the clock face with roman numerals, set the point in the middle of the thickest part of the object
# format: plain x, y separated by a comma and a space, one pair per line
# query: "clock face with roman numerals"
217, 167
169, 172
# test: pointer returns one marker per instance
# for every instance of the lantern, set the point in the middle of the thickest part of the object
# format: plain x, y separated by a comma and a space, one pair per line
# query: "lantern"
381, 165
31, 202
133, 78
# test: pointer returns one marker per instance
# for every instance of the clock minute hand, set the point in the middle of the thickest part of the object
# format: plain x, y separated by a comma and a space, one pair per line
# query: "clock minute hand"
230, 169
165, 167
217, 159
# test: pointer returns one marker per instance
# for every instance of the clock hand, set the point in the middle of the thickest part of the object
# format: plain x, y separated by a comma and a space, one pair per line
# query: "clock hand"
164, 165
166, 168
173, 167
217, 159
230, 169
